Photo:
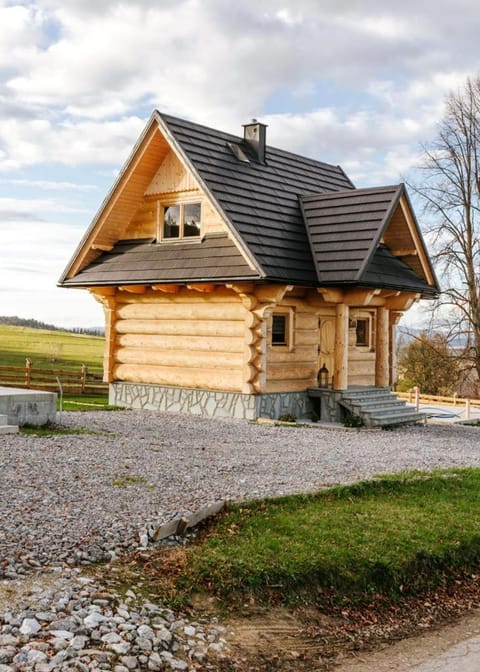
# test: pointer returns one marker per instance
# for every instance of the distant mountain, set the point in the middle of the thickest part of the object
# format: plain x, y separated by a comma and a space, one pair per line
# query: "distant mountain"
407, 334
15, 321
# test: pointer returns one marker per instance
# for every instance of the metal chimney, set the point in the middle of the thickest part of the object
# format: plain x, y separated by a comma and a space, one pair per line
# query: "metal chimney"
255, 136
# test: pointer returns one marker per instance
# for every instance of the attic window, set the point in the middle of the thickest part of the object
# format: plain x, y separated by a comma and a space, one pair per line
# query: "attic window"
238, 152
181, 220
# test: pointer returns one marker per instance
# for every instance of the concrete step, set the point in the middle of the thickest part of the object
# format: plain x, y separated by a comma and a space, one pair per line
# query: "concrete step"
5, 428
379, 412
383, 420
8, 429
380, 403
379, 407
367, 394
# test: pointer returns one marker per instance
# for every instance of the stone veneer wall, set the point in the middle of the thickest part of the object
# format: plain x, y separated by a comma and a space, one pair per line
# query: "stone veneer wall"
326, 405
208, 402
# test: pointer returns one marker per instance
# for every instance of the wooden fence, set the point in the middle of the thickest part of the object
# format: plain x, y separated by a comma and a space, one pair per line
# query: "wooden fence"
84, 381
414, 396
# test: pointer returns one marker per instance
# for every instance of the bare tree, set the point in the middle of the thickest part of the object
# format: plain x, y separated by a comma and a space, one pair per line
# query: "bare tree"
449, 188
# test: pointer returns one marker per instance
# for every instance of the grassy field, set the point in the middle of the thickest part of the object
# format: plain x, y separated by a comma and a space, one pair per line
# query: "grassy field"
49, 349
392, 536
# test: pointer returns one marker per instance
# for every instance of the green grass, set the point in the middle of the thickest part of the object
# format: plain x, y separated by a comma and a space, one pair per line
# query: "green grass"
54, 430
394, 535
49, 349
128, 479
85, 402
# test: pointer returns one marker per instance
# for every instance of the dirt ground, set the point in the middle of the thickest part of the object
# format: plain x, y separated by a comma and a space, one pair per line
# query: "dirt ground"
373, 639
279, 641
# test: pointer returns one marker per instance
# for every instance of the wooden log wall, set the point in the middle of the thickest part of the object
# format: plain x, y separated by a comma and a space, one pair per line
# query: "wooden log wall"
187, 339
220, 339
361, 366
294, 367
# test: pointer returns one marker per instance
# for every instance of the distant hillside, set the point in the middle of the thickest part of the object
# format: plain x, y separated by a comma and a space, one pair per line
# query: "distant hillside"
407, 334
49, 348
16, 321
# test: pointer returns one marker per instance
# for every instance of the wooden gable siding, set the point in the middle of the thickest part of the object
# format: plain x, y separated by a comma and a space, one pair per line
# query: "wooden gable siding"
172, 176
143, 223
400, 240
172, 183
123, 202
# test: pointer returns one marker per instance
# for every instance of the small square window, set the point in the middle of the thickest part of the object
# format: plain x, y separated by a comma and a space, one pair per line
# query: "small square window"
362, 332
279, 330
181, 220
171, 221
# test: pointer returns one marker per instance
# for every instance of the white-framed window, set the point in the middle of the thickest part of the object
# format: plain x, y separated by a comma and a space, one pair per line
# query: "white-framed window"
282, 328
180, 221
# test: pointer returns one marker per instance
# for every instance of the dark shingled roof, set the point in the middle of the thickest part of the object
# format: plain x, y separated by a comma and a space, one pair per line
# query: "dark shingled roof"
344, 229
298, 221
140, 261
260, 200
386, 270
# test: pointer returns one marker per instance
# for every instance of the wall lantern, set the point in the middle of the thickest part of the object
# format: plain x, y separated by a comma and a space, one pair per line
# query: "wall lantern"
322, 377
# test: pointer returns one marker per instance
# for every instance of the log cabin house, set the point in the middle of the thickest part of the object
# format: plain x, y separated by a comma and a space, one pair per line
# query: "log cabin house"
232, 272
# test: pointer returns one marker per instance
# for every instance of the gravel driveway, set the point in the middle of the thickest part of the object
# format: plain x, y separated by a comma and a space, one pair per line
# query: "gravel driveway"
83, 498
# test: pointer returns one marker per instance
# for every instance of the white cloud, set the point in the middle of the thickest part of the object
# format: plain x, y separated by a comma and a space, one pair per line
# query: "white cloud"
34, 208
365, 82
50, 185
30, 142
28, 276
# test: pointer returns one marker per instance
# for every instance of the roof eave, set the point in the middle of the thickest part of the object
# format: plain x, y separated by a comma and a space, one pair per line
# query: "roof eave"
152, 281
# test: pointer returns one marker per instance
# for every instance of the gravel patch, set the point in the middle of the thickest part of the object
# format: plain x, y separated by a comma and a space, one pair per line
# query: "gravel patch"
76, 624
76, 499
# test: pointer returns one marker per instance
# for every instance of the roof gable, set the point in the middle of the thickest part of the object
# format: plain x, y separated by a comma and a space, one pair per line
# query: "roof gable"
141, 174
345, 229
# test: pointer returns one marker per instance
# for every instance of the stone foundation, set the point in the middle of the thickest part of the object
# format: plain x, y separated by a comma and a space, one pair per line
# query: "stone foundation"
208, 402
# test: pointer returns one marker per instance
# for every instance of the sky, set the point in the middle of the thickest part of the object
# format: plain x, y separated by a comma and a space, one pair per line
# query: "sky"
356, 83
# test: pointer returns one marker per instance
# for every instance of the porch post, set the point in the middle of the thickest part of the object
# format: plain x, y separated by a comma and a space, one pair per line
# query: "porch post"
394, 317
106, 296
382, 348
340, 380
